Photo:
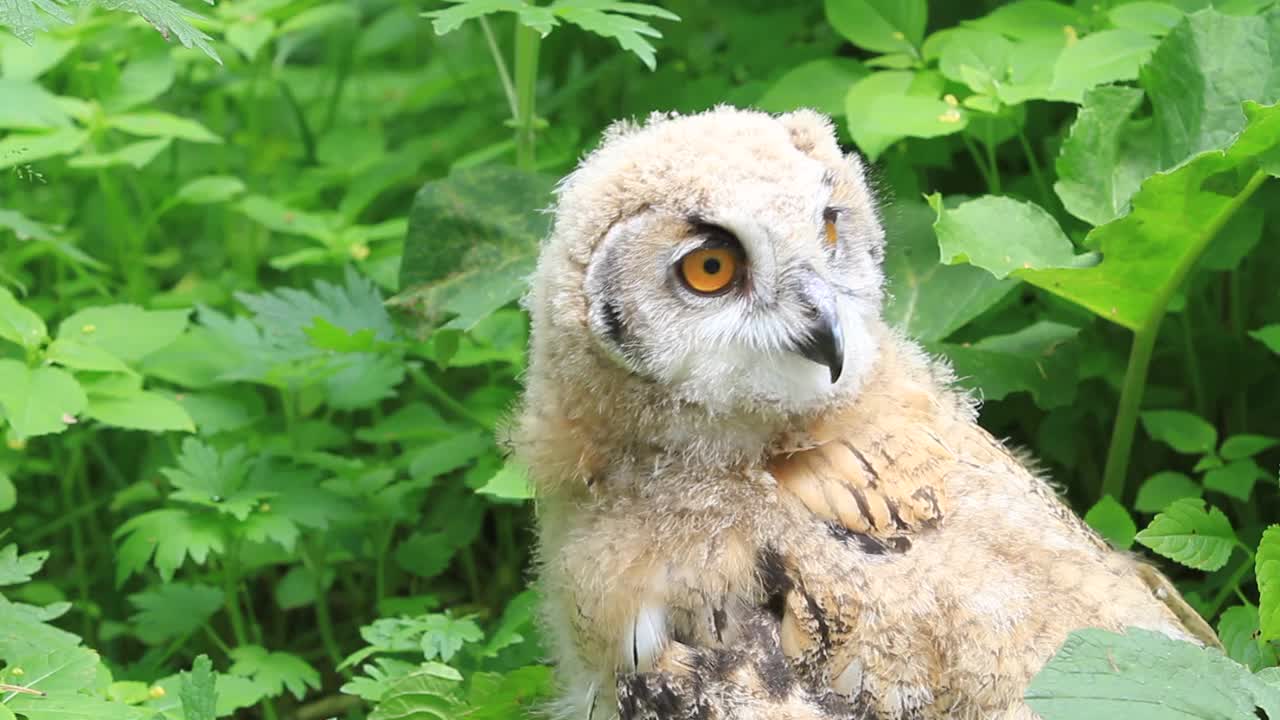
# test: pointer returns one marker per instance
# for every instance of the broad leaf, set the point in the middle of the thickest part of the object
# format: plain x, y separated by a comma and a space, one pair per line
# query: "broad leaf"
1236, 478
173, 610
1180, 430
1267, 569
143, 410
421, 695
885, 107
18, 324
40, 401
1144, 675
819, 84
509, 483
1162, 489
162, 125
1238, 630
886, 26
275, 671
125, 331
1173, 214
1029, 237
1237, 447
469, 249
1100, 58
1269, 336
1103, 160
170, 536
16, 569
1185, 532
1112, 522
1040, 359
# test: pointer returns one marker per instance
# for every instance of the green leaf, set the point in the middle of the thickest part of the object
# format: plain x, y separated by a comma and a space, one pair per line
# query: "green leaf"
125, 331
8, 493
612, 20
819, 84
1102, 162
1112, 522
28, 106
1164, 488
1188, 534
40, 401
137, 155
232, 693
173, 611
68, 669
20, 325
1267, 570
162, 125
1153, 18
199, 692
1269, 336
1236, 478
214, 479
70, 706
885, 26
511, 482
170, 535
20, 149
1040, 21
143, 410
499, 696
450, 454
83, 356
977, 58
421, 695
1029, 239
413, 421
275, 671
444, 635
1040, 358
1145, 675
16, 569
1202, 72
210, 189
1238, 447
250, 34
25, 17
1172, 214
1099, 58
468, 251
885, 107
1238, 630
24, 228
291, 221
143, 79
1182, 431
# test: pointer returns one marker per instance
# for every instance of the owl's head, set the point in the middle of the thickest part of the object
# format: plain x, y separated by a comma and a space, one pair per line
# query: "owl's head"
727, 262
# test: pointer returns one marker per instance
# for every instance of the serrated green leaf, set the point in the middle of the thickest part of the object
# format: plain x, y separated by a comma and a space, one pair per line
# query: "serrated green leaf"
16, 569
1238, 630
884, 26
1163, 488
215, 479
169, 535
199, 691
612, 20
1267, 570
421, 695
511, 482
25, 17
20, 325
173, 610
1183, 431
275, 671
40, 401
1112, 521
499, 696
1189, 534
1030, 239
1144, 675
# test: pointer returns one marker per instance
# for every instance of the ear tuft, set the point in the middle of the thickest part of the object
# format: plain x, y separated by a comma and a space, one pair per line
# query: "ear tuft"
812, 133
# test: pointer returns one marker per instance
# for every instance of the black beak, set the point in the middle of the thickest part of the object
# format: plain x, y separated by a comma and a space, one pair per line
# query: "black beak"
825, 342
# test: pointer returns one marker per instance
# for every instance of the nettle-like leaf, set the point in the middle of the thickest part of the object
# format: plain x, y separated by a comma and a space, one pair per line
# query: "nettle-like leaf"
199, 692
1267, 569
1160, 490
468, 250
1144, 675
425, 694
169, 18
231, 693
275, 671
444, 635
1112, 521
1189, 534
606, 18
61, 679
173, 610
25, 18
1238, 629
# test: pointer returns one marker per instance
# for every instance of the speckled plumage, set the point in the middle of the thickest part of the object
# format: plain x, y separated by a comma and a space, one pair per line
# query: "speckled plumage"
727, 533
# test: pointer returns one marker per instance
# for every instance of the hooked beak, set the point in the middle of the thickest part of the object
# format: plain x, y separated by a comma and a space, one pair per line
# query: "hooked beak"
824, 343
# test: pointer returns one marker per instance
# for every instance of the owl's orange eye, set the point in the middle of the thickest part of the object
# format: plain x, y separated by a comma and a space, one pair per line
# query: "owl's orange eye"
829, 217
709, 270
832, 235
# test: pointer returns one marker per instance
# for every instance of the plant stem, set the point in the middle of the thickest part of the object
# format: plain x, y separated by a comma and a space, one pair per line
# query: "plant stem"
435, 391
979, 162
504, 76
1238, 420
1193, 365
1046, 198
314, 558
1144, 342
67, 485
526, 81
231, 593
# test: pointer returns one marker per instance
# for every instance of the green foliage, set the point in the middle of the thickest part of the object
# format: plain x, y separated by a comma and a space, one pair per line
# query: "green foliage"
266, 485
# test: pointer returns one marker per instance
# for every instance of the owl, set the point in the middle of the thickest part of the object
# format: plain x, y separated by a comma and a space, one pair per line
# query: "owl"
755, 499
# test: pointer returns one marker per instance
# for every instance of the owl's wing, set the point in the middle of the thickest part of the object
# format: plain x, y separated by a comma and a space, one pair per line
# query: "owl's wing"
884, 483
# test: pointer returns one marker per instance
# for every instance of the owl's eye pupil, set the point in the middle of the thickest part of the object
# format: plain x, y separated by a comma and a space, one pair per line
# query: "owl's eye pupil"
710, 270
711, 266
